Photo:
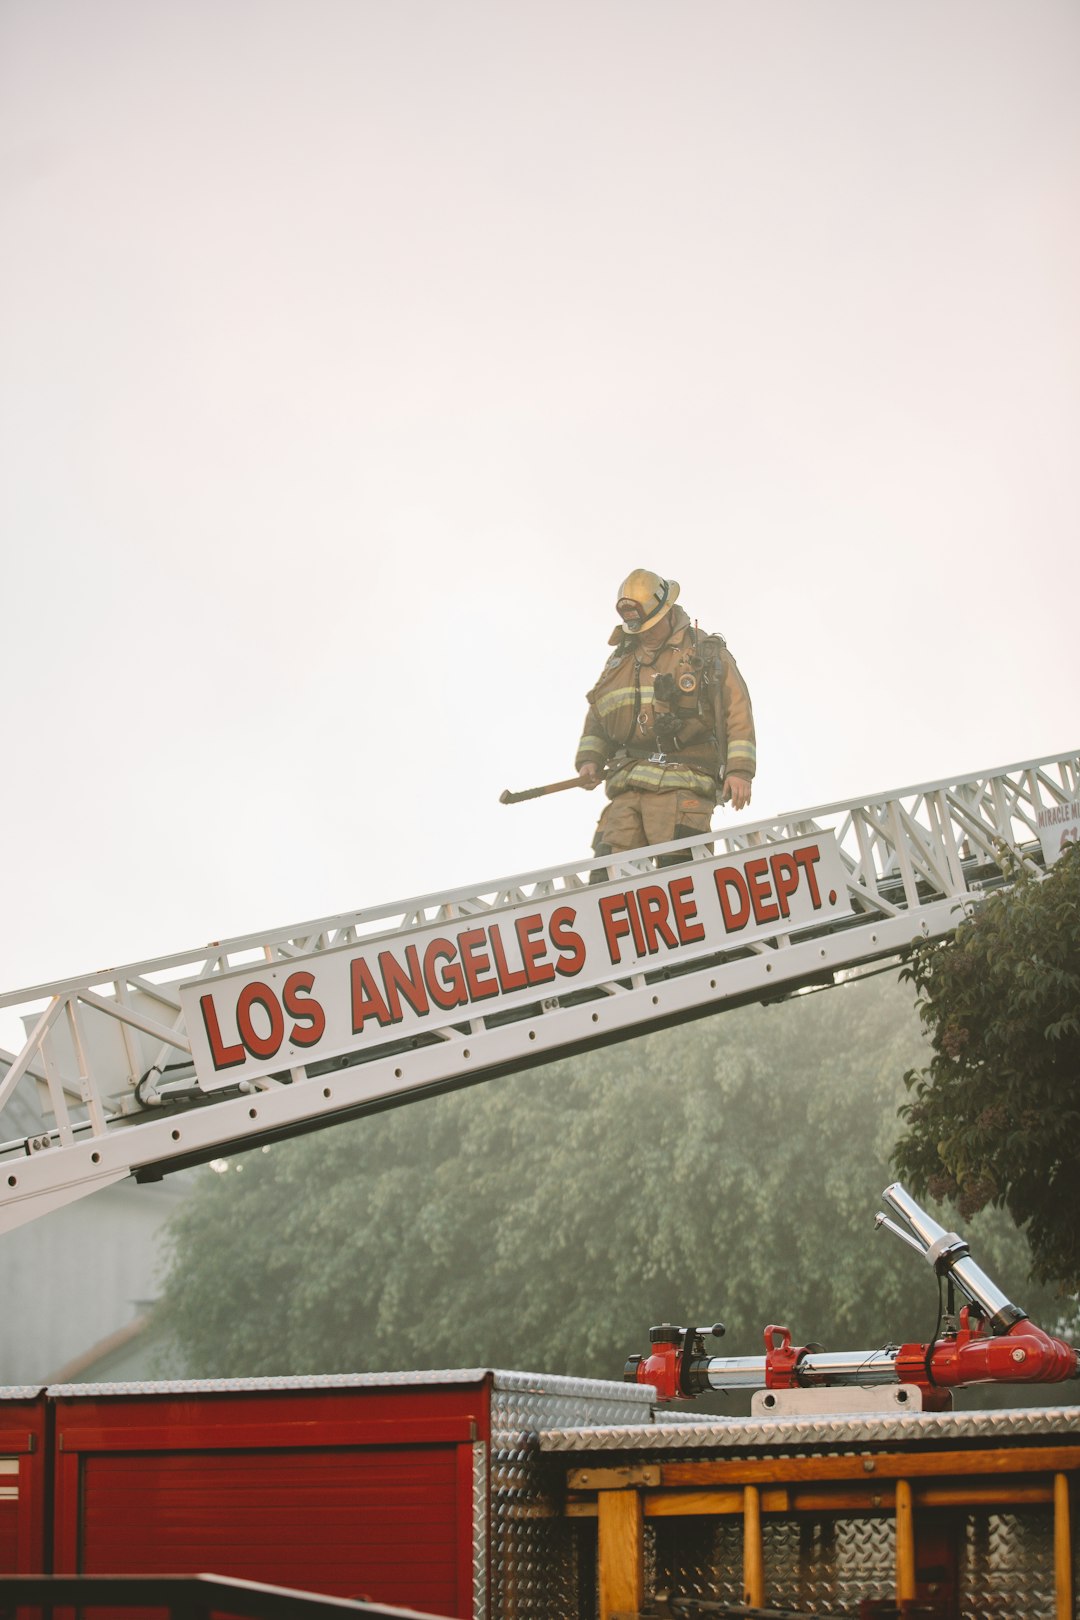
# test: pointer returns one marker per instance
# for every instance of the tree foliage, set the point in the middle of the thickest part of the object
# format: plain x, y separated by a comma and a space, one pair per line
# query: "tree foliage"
994, 1118
729, 1168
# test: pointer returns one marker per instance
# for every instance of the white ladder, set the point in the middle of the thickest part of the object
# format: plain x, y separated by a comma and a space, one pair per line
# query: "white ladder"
116, 1062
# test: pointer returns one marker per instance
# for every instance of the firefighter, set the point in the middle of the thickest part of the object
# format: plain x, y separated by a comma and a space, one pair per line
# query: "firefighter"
669, 719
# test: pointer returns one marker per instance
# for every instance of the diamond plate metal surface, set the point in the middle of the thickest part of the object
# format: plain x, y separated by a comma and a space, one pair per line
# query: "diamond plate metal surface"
633, 1402
211, 1386
699, 1558
832, 1563
810, 1564
1009, 1566
541, 1561
817, 1431
479, 1530
533, 1563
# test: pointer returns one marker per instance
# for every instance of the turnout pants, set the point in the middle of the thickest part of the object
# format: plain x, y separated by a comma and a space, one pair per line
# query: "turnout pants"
637, 818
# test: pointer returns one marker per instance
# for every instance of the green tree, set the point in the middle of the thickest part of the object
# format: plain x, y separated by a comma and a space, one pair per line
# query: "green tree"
994, 1118
729, 1168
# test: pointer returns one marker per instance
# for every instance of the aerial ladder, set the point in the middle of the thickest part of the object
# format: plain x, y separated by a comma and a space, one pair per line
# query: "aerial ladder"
147, 1068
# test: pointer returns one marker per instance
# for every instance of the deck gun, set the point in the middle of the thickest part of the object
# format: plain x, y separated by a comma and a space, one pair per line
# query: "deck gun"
990, 1341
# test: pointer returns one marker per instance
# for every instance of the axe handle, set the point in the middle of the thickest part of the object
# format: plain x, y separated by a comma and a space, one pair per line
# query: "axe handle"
506, 797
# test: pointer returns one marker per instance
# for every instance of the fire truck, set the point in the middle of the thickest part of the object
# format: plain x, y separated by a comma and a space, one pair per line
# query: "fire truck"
850, 1488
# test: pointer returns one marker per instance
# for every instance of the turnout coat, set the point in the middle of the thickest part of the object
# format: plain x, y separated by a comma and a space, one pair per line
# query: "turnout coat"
673, 715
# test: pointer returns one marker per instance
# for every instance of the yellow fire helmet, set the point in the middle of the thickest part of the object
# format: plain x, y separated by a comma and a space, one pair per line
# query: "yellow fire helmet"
645, 597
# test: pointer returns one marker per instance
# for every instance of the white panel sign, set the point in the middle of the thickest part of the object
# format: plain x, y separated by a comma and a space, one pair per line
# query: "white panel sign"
278, 1015
1059, 825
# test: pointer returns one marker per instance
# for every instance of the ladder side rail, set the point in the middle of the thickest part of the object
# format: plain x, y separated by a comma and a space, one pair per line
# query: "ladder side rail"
617, 1009
90, 1087
412, 912
175, 1037
978, 809
1067, 761
869, 837
343, 929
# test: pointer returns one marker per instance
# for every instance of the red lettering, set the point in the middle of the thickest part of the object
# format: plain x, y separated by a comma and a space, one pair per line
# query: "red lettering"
785, 876
635, 921
367, 1001
407, 981
684, 910
757, 878
614, 926
475, 963
534, 950
447, 987
509, 978
259, 995
653, 902
726, 879
808, 859
568, 942
222, 1056
304, 1009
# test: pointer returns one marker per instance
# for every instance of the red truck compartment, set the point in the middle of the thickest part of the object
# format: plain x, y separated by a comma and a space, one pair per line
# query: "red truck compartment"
352, 1492
23, 1465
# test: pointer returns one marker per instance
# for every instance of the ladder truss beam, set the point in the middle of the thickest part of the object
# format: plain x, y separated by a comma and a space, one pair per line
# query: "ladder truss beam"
111, 1053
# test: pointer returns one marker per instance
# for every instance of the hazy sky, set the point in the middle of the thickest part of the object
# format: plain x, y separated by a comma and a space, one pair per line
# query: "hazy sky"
352, 351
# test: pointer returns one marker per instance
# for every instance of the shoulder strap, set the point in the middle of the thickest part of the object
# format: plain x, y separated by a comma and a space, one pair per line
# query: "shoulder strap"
710, 647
